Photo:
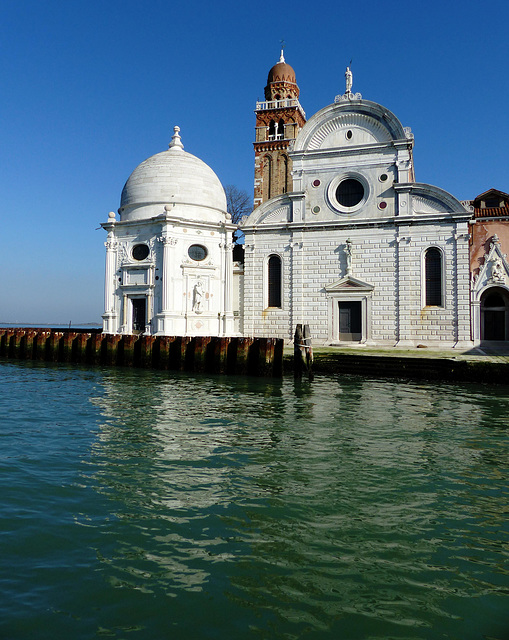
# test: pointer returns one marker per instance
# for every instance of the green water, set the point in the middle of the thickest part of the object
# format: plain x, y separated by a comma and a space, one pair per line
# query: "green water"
146, 505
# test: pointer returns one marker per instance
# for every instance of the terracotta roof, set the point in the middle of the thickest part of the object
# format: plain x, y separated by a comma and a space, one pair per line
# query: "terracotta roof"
491, 212
492, 192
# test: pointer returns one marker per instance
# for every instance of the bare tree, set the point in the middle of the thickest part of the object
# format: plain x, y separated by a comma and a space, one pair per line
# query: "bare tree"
238, 205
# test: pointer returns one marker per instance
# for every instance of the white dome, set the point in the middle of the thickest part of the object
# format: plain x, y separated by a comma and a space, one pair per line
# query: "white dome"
173, 177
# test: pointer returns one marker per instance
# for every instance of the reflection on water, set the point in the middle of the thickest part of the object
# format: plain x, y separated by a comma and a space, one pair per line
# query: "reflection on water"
203, 507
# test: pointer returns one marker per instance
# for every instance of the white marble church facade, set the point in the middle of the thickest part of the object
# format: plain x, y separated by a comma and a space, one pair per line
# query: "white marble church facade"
358, 250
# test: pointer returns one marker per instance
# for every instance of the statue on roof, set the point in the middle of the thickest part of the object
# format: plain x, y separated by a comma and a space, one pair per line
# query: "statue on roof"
349, 80
348, 95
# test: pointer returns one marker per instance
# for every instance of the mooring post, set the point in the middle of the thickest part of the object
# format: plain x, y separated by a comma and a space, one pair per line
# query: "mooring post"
298, 351
309, 351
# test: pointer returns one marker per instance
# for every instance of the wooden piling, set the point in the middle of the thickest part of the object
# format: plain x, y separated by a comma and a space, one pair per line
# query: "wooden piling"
238, 356
94, 351
53, 353
28, 344
199, 345
80, 347
41, 344
111, 349
17, 343
218, 355
162, 352
67, 345
146, 345
187, 355
128, 343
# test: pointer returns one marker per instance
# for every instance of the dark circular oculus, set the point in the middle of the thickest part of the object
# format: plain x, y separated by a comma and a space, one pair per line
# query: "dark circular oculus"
197, 252
349, 193
140, 251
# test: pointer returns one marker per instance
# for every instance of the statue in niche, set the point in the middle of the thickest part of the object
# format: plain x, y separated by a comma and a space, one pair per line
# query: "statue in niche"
348, 254
198, 297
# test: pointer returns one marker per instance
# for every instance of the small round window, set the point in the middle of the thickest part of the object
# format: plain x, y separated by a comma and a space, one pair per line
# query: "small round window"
140, 251
197, 252
349, 193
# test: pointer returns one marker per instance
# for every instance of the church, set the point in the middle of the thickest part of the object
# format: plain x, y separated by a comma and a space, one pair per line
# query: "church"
341, 238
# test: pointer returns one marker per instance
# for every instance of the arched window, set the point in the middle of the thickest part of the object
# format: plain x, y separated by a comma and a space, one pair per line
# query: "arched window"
433, 277
280, 130
283, 173
274, 281
272, 130
267, 177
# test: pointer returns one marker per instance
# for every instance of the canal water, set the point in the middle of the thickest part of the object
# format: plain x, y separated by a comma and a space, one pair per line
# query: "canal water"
146, 505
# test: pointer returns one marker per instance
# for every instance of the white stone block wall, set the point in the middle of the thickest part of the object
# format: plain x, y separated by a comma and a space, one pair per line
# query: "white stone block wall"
391, 262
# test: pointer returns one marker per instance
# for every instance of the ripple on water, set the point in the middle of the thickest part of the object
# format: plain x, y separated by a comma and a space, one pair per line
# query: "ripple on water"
161, 505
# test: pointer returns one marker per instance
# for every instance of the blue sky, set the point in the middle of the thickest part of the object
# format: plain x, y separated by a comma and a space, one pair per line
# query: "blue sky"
91, 89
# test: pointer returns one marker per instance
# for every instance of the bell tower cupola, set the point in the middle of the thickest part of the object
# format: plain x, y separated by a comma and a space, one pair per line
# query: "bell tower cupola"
278, 121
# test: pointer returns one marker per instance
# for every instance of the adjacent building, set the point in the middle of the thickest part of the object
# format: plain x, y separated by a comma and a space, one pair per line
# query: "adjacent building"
489, 267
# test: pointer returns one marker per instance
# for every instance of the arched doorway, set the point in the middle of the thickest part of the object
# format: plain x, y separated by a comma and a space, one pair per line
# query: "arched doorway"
495, 314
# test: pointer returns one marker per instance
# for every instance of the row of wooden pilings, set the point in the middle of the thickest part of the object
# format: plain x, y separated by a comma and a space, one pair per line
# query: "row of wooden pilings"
237, 356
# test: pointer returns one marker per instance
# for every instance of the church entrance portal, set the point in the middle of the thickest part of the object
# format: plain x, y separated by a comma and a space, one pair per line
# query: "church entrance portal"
139, 314
495, 314
350, 321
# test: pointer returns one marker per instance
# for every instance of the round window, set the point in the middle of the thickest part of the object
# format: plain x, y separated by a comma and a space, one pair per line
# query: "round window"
349, 193
140, 251
197, 252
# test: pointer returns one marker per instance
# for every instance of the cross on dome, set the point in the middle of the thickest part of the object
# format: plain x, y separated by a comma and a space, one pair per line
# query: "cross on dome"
282, 57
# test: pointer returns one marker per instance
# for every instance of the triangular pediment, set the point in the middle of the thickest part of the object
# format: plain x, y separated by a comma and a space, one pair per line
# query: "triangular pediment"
348, 283
495, 269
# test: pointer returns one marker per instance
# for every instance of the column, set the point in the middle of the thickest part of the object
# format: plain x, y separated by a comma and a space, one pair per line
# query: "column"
109, 316
228, 327
164, 320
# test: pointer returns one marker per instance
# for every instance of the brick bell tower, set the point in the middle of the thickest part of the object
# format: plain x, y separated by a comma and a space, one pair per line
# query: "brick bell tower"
278, 121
